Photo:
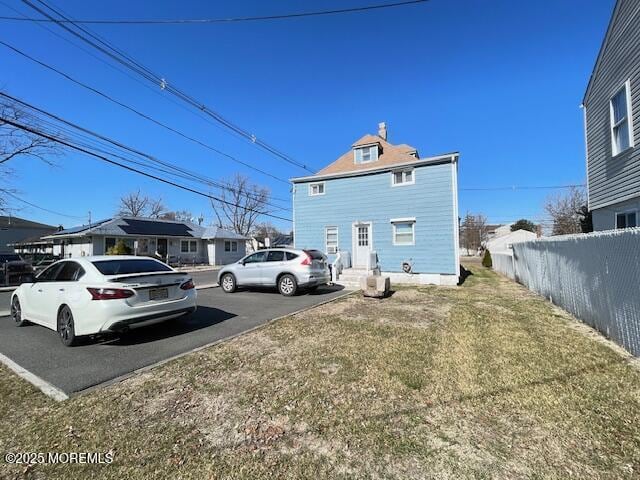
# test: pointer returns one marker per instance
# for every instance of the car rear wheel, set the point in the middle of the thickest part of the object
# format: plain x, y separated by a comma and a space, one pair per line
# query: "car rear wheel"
287, 285
16, 313
66, 327
228, 283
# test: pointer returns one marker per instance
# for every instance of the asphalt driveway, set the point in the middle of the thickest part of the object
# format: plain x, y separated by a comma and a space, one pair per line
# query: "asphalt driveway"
219, 316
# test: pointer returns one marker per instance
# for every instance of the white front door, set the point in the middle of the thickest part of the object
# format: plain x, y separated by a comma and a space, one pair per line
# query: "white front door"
361, 244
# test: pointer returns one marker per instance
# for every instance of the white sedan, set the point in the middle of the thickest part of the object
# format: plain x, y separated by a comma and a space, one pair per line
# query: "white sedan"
90, 295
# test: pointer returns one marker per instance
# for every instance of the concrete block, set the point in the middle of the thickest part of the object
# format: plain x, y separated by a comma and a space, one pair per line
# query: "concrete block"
375, 286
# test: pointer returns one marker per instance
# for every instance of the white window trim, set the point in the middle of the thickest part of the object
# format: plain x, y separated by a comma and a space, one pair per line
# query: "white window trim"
629, 118
188, 241
326, 240
403, 184
231, 242
412, 221
624, 212
369, 147
311, 194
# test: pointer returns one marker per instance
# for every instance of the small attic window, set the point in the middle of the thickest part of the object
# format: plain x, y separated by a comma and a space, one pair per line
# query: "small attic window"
366, 154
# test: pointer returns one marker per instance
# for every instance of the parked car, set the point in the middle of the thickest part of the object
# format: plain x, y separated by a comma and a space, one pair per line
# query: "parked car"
90, 295
14, 270
288, 269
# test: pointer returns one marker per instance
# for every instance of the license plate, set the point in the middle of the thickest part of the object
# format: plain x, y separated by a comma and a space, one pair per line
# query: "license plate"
158, 293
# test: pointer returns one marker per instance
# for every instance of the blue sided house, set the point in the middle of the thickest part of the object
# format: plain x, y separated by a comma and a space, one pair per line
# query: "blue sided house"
383, 207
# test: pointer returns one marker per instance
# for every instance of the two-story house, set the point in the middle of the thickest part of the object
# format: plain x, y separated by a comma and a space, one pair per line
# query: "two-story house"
612, 123
383, 206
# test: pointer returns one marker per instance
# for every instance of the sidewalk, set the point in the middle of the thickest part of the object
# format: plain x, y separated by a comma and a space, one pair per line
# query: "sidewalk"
197, 268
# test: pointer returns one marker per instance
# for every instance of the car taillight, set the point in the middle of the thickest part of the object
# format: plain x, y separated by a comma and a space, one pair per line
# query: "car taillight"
306, 260
110, 293
188, 285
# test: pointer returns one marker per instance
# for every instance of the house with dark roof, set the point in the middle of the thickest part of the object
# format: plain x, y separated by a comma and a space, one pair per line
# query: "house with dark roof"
382, 207
14, 230
176, 242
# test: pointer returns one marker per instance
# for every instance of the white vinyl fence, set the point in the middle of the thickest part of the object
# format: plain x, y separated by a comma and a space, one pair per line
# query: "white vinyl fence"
503, 263
594, 276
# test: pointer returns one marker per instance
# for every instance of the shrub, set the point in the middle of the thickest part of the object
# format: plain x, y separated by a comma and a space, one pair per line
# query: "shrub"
486, 260
120, 248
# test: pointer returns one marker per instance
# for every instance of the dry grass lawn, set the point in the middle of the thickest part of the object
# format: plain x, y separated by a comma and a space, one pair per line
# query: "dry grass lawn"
482, 381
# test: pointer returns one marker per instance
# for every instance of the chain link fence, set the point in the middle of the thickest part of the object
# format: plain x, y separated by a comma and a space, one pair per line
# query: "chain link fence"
594, 276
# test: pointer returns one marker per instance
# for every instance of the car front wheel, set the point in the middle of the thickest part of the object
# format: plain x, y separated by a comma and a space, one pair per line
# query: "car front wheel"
66, 327
16, 313
287, 285
228, 283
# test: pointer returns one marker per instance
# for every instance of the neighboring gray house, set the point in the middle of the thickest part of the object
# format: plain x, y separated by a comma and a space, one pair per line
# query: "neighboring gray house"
170, 240
612, 123
14, 230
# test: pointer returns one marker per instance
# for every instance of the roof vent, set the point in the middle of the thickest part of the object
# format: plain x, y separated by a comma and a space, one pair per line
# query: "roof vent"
382, 130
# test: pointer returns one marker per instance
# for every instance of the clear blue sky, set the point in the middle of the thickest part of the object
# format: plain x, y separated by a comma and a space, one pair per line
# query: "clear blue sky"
500, 81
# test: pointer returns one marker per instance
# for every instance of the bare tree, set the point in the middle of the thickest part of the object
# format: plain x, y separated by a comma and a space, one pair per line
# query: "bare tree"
473, 231
184, 216
567, 211
16, 143
241, 205
133, 204
156, 208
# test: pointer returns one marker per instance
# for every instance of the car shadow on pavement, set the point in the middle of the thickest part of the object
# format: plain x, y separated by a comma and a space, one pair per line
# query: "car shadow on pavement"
324, 290
203, 317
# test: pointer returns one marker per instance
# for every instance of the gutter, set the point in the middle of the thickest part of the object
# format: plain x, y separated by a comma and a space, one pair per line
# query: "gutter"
446, 158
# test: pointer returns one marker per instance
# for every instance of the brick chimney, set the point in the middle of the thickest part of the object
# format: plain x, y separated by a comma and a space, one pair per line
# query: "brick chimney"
382, 130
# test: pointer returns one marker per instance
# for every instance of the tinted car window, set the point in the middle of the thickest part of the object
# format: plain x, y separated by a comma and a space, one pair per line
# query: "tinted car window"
275, 256
70, 272
291, 255
123, 267
9, 257
315, 254
49, 273
256, 257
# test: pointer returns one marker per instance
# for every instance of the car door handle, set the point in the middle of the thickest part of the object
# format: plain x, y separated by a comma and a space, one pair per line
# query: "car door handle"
61, 289
40, 290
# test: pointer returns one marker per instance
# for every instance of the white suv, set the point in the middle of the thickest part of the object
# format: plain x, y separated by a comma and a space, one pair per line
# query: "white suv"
285, 268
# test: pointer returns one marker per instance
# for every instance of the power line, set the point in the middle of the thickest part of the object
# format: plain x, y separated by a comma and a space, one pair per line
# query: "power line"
183, 173
139, 113
203, 21
514, 187
6, 192
118, 69
129, 62
132, 169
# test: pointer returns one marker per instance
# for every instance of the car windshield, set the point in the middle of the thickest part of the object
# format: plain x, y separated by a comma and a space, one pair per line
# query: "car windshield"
123, 267
9, 257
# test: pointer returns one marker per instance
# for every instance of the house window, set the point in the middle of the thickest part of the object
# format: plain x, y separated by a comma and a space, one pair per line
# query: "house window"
188, 246
143, 245
331, 239
230, 246
626, 219
404, 231
109, 243
366, 154
621, 122
316, 189
404, 177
